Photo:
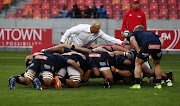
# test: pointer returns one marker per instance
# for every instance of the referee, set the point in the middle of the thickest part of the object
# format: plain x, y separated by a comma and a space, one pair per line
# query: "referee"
86, 34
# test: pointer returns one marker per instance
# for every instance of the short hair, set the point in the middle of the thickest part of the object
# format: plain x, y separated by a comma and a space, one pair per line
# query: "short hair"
139, 27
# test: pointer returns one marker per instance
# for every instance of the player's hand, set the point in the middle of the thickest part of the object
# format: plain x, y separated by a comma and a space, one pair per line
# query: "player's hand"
125, 43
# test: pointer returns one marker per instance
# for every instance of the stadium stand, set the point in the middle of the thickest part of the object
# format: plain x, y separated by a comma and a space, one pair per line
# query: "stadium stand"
154, 9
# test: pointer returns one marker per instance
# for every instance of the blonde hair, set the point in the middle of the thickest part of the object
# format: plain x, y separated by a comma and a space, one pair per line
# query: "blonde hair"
139, 27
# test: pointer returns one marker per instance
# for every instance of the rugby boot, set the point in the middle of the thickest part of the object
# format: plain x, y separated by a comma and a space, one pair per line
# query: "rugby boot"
158, 86
106, 83
12, 83
58, 84
37, 83
135, 86
169, 82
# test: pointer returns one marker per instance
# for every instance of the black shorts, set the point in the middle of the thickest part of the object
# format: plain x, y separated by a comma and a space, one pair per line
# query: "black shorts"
39, 65
150, 48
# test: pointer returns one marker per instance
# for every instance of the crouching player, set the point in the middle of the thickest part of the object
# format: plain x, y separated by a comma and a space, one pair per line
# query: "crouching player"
44, 64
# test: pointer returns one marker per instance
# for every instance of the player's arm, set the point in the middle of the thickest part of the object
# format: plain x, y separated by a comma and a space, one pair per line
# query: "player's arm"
63, 45
55, 49
134, 43
81, 48
28, 58
119, 48
162, 41
75, 65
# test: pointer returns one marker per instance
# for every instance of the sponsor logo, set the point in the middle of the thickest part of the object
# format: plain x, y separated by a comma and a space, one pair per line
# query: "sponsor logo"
145, 54
138, 16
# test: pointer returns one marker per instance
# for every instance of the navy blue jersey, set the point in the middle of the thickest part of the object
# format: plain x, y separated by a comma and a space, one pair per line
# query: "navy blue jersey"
117, 61
143, 36
47, 62
101, 58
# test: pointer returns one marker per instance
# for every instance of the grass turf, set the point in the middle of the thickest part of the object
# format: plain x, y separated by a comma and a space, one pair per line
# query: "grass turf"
90, 93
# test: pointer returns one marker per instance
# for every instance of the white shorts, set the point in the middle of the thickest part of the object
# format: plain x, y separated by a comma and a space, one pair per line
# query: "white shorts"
70, 70
104, 68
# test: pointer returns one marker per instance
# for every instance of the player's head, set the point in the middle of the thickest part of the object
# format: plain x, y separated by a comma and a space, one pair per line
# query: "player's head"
95, 26
135, 4
139, 27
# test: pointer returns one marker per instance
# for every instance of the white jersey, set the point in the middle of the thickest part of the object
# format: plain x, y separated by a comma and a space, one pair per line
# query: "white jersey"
81, 34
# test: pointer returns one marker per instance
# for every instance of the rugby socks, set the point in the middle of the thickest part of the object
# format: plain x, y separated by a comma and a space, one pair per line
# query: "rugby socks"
158, 81
17, 78
137, 81
63, 80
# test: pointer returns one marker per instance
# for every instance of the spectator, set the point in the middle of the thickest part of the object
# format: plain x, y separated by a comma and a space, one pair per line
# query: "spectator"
87, 12
75, 12
63, 13
94, 12
102, 12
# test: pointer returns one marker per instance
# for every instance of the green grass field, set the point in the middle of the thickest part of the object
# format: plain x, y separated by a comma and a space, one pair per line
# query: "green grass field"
90, 93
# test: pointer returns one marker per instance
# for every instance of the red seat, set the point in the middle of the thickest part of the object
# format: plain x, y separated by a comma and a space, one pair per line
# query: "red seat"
54, 6
45, 6
19, 11
37, 16
172, 11
7, 2
27, 11
125, 2
45, 11
70, 6
27, 5
53, 1
146, 11
46, 16
163, 6
171, 1
117, 16
106, 1
81, 6
172, 6
80, 2
116, 7
162, 1
155, 11
63, 2
11, 16
45, 1
19, 16
108, 6
55, 12
89, 3
173, 16
36, 2
109, 12
37, 11
96, 1
178, 1
145, 6
163, 17
152, 1
154, 16
117, 12
125, 6
153, 6
98, 5
163, 12
143, 1
178, 7
36, 6
72, 1
115, 2
147, 16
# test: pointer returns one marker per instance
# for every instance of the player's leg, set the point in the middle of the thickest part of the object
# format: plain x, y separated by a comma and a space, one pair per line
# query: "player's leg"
158, 73
108, 77
137, 73
74, 77
60, 75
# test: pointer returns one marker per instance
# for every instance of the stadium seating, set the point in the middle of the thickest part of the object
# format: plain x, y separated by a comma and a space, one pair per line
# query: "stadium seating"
37, 16
153, 9
11, 16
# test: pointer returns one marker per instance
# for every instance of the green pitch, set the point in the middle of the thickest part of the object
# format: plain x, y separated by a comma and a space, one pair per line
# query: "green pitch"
90, 93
